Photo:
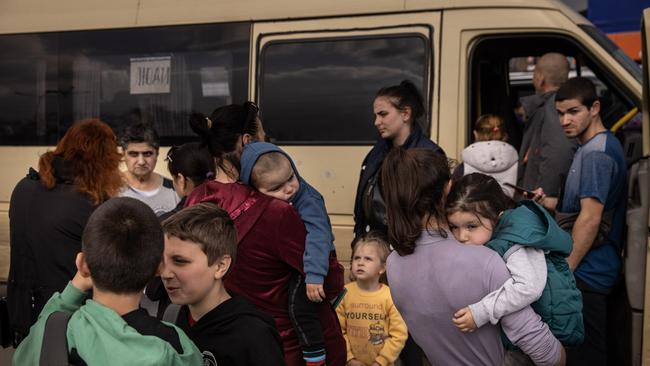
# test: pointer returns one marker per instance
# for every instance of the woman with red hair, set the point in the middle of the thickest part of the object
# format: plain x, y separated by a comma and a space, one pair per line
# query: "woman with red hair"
48, 212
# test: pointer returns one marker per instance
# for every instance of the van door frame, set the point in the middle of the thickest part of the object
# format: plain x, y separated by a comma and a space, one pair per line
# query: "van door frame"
645, 130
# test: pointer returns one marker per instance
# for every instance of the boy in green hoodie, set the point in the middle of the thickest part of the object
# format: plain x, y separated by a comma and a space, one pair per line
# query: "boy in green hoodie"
122, 246
534, 248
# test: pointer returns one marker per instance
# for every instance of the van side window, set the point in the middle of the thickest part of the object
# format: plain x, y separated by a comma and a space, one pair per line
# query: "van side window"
321, 91
158, 75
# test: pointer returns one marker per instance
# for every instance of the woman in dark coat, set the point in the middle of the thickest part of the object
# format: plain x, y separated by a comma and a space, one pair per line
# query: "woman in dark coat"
48, 212
397, 110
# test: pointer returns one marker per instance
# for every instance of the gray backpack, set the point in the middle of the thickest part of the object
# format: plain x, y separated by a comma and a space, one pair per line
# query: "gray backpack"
54, 349
171, 311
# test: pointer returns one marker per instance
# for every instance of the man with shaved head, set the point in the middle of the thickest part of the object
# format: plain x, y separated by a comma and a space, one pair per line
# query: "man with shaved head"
546, 153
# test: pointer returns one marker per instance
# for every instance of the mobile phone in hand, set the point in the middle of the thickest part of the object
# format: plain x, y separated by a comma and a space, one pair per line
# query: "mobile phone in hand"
521, 190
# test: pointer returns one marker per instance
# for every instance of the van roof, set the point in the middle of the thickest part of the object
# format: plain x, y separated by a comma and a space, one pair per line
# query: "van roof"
25, 16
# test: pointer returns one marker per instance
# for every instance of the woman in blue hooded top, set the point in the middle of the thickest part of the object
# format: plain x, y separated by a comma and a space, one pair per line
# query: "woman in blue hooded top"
534, 248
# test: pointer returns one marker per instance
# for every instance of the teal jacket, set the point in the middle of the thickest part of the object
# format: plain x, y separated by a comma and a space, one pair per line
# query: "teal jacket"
102, 337
560, 305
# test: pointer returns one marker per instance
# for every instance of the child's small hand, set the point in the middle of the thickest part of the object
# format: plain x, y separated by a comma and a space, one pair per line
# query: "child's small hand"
464, 321
315, 292
82, 280
81, 283
354, 362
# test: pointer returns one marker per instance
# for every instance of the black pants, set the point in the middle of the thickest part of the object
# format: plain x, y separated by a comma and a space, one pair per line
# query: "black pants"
411, 354
304, 316
593, 351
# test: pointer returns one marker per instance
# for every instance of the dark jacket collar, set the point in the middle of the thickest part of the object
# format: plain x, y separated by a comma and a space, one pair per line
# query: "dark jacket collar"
411, 140
63, 170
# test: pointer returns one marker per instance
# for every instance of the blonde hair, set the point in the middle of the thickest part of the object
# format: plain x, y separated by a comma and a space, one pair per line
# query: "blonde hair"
490, 127
376, 239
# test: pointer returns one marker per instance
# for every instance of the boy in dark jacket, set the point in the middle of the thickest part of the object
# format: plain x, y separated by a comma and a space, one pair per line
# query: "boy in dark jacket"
200, 247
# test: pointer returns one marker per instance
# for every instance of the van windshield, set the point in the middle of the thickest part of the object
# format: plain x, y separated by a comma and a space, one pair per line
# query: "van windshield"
609, 46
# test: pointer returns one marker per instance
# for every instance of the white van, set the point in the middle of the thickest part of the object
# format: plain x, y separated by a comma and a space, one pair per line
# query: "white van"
313, 68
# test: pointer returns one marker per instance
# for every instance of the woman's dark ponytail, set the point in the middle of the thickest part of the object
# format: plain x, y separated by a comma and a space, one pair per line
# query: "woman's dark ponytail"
413, 187
222, 130
413, 98
398, 182
200, 124
203, 127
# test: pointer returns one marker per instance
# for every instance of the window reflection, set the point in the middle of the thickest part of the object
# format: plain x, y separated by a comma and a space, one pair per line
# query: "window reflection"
321, 91
49, 80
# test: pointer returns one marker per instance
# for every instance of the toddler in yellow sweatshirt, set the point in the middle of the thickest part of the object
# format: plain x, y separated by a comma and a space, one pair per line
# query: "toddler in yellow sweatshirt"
373, 329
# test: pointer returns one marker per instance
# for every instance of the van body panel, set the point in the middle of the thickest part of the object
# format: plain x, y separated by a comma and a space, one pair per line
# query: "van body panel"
21, 16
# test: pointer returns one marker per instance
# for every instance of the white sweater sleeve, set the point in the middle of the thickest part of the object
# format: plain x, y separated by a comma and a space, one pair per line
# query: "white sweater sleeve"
528, 273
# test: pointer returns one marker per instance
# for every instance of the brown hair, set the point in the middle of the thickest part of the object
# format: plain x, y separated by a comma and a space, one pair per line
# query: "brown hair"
139, 133
378, 240
223, 128
123, 244
413, 186
207, 225
490, 127
479, 194
404, 95
579, 88
91, 148
192, 160
375, 238
266, 163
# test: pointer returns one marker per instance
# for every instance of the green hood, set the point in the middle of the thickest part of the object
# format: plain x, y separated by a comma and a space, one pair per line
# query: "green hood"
101, 337
529, 224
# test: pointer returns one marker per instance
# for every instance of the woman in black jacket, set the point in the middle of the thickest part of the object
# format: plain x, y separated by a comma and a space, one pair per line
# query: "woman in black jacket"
48, 212
396, 109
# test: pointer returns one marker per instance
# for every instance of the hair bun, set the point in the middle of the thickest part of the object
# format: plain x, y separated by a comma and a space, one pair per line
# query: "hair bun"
408, 84
199, 124
417, 106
